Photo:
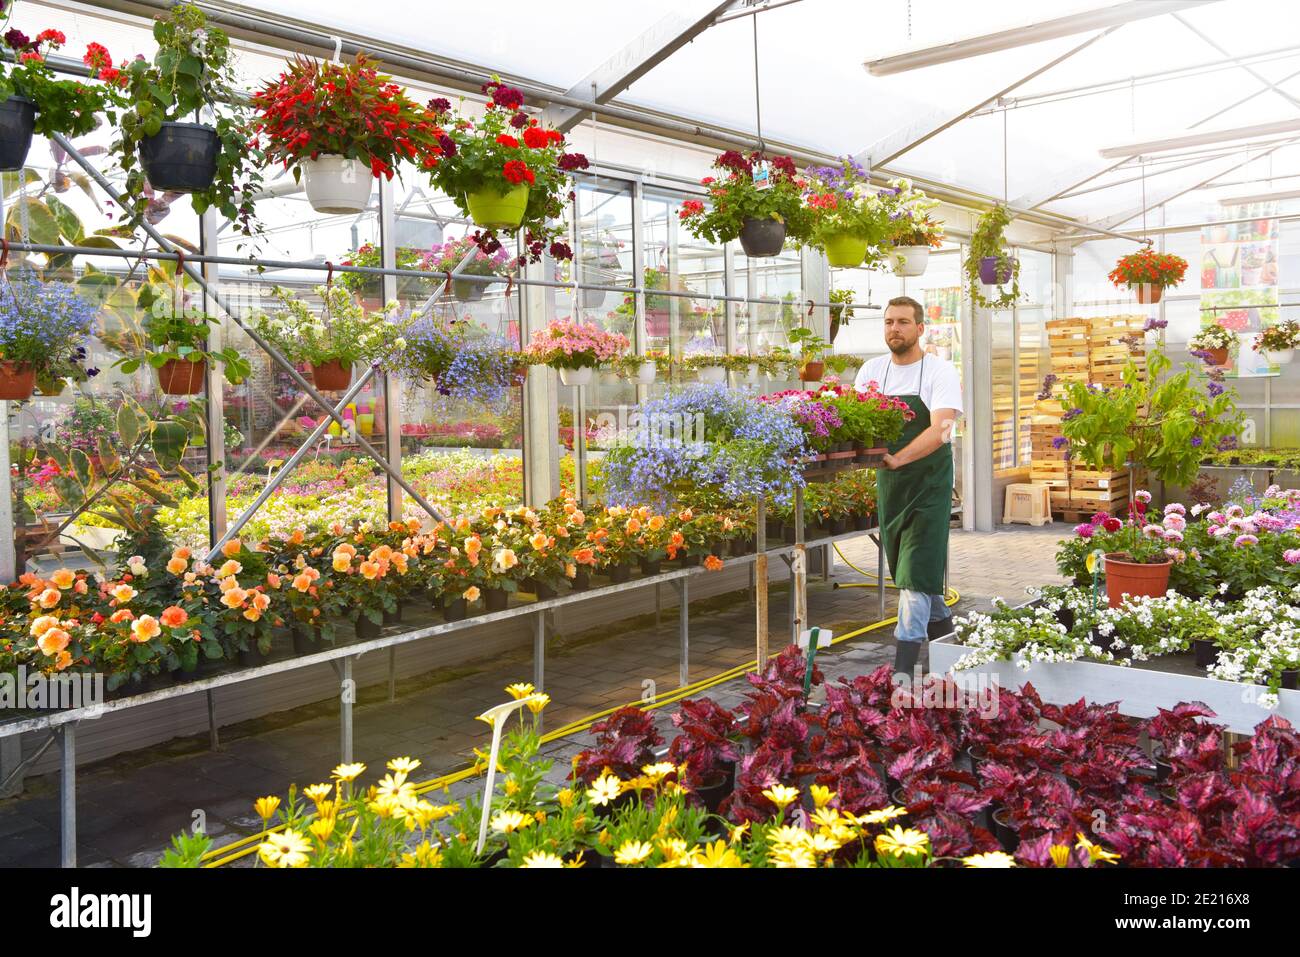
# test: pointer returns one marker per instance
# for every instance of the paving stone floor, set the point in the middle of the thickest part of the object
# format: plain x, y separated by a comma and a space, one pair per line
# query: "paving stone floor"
130, 805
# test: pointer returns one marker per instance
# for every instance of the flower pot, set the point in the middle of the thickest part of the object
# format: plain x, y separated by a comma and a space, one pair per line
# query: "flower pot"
577, 377
838, 526
49, 386
393, 617
544, 591
581, 580
1283, 357
690, 561
337, 184
332, 376
1291, 679
368, 630
712, 374
713, 789
1007, 835
751, 372
468, 291
454, 609
180, 157
305, 638
496, 210
1206, 651
1218, 357
251, 656
649, 567
873, 458
619, 573
646, 372
762, 237
845, 251
991, 274
1133, 578
1148, 293
17, 117
861, 522
812, 371
17, 380
495, 599
182, 377
910, 260
977, 754
775, 529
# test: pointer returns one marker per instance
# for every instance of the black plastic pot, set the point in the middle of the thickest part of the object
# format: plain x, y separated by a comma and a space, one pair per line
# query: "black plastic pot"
690, 561
455, 609
718, 549
1007, 835
581, 581
619, 573
861, 522
17, 117
649, 567
393, 617
1206, 653
713, 790
762, 237
742, 546
839, 526
788, 533
305, 638
1066, 617
252, 656
1291, 679
180, 157
495, 599
367, 630
543, 591
976, 754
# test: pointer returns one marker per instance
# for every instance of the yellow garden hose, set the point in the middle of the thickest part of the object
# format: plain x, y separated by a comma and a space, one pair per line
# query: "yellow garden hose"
218, 857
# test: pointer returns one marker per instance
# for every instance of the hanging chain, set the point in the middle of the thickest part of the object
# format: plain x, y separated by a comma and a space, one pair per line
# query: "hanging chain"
1144, 200
909, 21
758, 102
1005, 192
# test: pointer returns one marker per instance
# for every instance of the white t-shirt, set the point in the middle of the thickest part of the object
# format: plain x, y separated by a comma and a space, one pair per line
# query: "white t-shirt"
940, 386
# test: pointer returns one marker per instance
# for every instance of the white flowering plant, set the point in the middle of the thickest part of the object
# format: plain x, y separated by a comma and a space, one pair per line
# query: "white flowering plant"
343, 331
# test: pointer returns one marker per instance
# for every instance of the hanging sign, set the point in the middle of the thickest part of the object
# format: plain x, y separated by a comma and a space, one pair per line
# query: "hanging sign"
1239, 281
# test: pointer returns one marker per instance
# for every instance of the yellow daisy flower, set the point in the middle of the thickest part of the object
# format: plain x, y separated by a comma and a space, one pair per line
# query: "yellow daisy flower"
403, 765
287, 849
542, 859
717, 854
266, 807
604, 789
781, 795
520, 689
898, 842
348, 772
506, 822
633, 852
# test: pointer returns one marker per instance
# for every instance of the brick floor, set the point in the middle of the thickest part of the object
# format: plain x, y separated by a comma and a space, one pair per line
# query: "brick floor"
129, 806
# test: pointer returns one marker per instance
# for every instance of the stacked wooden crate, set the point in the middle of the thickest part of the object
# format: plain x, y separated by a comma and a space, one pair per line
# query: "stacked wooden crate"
1089, 350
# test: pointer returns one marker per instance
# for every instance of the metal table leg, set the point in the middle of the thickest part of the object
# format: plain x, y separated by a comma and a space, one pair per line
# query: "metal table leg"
68, 794
683, 630
347, 695
760, 589
539, 658
214, 737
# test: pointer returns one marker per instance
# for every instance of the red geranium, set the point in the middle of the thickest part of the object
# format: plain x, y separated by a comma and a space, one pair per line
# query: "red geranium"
517, 171
1149, 267
537, 138
509, 142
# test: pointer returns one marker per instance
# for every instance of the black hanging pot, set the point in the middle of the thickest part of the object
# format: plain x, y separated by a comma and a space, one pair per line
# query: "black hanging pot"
761, 238
180, 157
17, 117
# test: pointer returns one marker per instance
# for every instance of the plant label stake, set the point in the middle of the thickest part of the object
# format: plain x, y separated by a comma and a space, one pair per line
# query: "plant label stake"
1094, 565
496, 716
811, 640
763, 175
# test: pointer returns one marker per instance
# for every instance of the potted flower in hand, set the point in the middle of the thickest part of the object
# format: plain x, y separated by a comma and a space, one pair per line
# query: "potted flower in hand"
178, 351
340, 126
505, 171
1212, 344
847, 217
42, 326
192, 69
31, 99
332, 342
1278, 342
576, 349
987, 262
1148, 273
758, 201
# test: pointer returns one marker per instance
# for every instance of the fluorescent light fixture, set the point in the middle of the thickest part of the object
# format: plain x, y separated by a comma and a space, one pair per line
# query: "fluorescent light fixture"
1200, 139
1034, 31
1261, 198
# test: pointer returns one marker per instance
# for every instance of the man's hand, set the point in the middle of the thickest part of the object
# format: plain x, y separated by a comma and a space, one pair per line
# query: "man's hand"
890, 461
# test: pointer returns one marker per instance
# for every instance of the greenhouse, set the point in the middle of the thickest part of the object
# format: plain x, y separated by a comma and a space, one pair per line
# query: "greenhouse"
750, 434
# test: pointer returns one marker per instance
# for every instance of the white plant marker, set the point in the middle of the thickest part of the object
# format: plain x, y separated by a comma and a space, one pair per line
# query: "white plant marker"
496, 716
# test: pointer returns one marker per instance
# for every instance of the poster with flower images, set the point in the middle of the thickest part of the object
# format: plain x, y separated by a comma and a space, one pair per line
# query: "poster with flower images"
1239, 281
942, 324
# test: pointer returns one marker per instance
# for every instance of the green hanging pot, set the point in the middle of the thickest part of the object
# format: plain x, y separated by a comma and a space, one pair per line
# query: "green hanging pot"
492, 209
845, 251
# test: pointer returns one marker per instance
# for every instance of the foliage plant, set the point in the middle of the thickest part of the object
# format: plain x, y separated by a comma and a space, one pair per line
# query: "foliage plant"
987, 242
1158, 423
344, 331
70, 107
192, 69
182, 336
498, 151
1148, 267
317, 108
734, 196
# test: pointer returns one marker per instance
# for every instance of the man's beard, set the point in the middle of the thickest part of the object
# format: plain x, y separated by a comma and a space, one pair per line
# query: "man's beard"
899, 348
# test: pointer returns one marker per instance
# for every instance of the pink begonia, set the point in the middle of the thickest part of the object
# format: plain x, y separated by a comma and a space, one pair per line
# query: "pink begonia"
1174, 508
1176, 522
1242, 541
1292, 556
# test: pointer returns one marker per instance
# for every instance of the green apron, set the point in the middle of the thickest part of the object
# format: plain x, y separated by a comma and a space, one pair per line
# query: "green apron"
915, 504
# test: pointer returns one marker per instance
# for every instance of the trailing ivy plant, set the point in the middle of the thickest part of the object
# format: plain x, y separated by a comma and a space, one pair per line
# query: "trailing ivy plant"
1164, 427
986, 241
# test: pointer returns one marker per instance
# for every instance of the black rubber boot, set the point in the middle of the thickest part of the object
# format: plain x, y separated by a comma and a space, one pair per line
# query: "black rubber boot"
939, 628
905, 655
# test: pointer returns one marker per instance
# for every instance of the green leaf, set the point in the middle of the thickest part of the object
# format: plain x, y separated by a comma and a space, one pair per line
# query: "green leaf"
128, 424
42, 227
169, 440
82, 468
70, 227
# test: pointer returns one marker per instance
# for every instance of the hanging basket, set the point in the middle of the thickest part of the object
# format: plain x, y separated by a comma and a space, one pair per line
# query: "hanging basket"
646, 373
17, 118
761, 238
1283, 357
845, 251
337, 184
467, 291
17, 380
909, 260
1148, 293
577, 377
712, 374
180, 157
182, 377
995, 272
332, 376
812, 371
51, 386
496, 210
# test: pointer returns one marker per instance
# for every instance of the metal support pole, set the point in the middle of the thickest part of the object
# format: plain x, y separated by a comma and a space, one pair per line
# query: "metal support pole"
214, 736
798, 572
760, 588
348, 688
392, 385
214, 412
683, 631
392, 673
68, 794
11, 766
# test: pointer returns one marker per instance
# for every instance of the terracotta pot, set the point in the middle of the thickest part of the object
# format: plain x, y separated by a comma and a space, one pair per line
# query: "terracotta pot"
1148, 293
1133, 578
182, 377
812, 371
1218, 357
17, 380
332, 376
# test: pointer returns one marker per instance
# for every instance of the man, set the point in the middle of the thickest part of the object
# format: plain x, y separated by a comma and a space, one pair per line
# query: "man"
915, 485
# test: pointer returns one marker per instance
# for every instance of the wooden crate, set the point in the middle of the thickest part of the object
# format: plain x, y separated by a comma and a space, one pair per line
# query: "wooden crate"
1089, 480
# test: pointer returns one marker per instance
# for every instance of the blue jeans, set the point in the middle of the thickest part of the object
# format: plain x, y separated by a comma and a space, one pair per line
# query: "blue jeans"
916, 610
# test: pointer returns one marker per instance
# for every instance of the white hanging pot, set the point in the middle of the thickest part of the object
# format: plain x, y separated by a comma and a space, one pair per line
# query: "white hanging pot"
1283, 358
712, 374
581, 376
646, 372
910, 260
336, 184
751, 373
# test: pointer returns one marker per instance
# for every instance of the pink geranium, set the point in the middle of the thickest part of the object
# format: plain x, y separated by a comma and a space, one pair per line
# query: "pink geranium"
565, 344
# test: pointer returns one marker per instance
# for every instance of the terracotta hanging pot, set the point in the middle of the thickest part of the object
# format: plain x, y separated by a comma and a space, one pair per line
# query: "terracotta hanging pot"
1148, 293
332, 376
17, 380
1218, 357
812, 371
182, 377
